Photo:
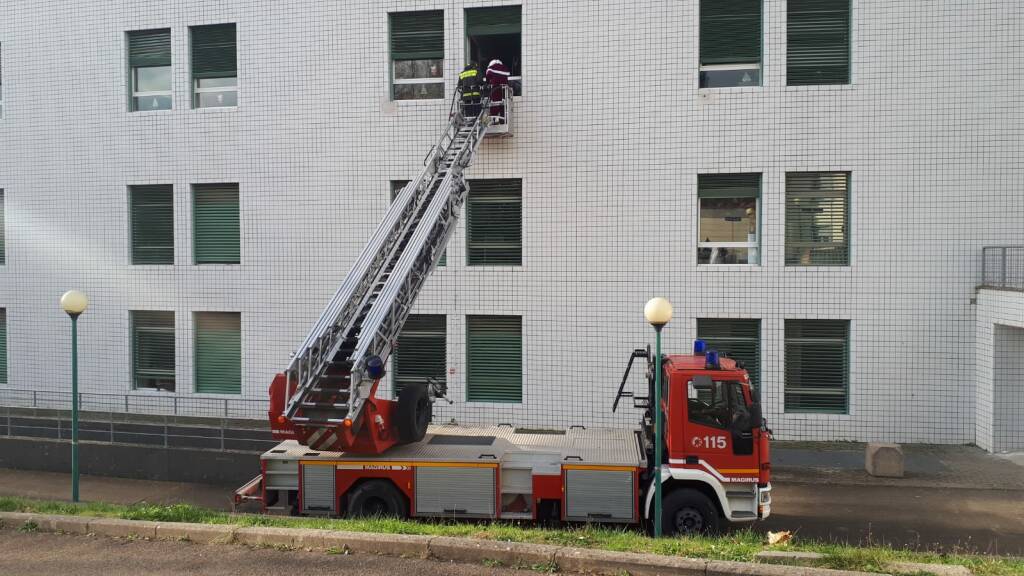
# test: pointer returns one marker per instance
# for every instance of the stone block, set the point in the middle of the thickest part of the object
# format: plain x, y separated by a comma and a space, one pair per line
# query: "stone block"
937, 569
265, 536
122, 528
68, 524
884, 460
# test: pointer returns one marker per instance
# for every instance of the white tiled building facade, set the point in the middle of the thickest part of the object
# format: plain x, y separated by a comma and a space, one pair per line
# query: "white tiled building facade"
610, 135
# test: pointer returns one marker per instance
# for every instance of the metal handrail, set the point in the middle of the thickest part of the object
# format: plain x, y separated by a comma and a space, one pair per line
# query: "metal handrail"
1003, 267
148, 403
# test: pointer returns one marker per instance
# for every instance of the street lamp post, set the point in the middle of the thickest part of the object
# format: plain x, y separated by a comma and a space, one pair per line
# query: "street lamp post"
657, 311
74, 303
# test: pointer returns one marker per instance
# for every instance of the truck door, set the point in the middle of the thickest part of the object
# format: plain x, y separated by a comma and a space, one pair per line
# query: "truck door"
713, 410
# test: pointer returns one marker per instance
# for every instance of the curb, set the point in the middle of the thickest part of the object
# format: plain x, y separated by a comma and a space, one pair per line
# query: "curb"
448, 549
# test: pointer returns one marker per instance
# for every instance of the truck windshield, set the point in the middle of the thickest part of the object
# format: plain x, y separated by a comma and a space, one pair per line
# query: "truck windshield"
716, 403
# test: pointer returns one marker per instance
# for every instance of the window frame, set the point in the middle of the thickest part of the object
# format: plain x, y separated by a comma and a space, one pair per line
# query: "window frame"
709, 326
849, 49
133, 74
846, 224
4, 350
495, 199
442, 333
753, 248
757, 65
847, 350
469, 370
134, 329
134, 189
514, 82
392, 62
197, 189
1, 82
196, 90
197, 316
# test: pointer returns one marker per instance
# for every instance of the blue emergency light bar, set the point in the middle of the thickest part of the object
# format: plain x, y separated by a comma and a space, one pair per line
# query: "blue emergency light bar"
711, 360
699, 346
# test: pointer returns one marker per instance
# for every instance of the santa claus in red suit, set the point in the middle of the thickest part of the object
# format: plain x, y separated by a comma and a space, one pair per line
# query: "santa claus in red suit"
497, 76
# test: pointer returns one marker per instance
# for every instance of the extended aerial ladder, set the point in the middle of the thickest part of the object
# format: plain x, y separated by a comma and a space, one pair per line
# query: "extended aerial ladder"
326, 397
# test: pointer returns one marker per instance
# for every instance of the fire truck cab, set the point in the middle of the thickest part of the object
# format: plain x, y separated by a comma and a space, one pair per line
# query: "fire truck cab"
715, 464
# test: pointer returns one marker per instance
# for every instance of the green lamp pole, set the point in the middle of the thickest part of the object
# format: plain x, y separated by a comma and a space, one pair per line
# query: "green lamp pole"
74, 303
657, 311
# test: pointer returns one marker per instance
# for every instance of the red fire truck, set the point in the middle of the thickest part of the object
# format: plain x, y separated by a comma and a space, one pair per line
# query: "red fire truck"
345, 451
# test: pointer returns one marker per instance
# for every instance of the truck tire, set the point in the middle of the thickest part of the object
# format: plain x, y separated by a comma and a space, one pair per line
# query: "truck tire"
376, 498
688, 512
413, 413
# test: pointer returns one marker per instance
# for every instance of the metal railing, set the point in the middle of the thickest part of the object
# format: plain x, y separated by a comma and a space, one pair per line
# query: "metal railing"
153, 403
1002, 267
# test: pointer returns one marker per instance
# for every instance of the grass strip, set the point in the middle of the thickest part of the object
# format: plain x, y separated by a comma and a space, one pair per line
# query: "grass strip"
740, 545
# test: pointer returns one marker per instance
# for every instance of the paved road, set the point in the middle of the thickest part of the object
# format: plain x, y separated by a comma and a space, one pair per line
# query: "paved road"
982, 520
39, 554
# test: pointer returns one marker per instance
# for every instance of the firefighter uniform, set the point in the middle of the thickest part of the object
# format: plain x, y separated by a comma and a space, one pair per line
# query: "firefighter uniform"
497, 76
470, 86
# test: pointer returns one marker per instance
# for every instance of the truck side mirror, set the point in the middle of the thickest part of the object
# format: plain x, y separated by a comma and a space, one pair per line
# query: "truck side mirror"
755, 416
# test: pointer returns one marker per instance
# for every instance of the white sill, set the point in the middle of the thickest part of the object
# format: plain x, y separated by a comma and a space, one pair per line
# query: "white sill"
418, 101
215, 109
731, 88
728, 266
150, 112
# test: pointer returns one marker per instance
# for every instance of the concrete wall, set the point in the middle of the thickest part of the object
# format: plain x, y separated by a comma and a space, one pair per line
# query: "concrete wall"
610, 137
1000, 374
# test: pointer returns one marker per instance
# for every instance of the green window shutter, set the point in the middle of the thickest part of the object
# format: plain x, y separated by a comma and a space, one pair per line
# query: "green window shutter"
149, 48
3, 232
153, 350
215, 224
497, 20
214, 51
817, 42
396, 187
494, 222
740, 338
152, 224
417, 35
3, 346
729, 185
730, 31
218, 352
817, 366
494, 350
421, 352
817, 219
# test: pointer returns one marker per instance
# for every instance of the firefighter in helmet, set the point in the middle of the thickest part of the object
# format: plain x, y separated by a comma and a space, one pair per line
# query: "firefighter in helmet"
470, 88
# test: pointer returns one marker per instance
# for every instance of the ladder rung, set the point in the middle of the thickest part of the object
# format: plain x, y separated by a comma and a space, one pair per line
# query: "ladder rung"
336, 406
328, 421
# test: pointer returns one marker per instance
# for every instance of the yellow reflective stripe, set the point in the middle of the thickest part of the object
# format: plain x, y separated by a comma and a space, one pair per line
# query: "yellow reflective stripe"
738, 470
598, 467
467, 74
399, 463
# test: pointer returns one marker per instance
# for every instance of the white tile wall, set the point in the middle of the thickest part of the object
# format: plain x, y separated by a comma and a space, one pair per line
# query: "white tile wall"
1000, 370
611, 134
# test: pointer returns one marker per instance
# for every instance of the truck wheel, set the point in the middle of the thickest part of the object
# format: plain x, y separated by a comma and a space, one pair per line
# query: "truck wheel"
376, 498
413, 413
687, 513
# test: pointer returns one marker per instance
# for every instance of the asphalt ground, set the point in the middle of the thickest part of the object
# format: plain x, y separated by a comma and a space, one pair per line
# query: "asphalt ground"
946, 519
41, 554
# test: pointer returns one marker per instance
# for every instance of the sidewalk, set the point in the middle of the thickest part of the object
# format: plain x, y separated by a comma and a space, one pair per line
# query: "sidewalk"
927, 466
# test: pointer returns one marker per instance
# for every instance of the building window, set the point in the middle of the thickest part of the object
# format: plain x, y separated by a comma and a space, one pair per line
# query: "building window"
817, 42
729, 210
417, 55
494, 222
494, 346
730, 43
215, 224
152, 224
3, 346
817, 219
149, 60
817, 366
496, 33
214, 66
218, 352
396, 187
153, 350
1, 84
421, 352
740, 339
3, 231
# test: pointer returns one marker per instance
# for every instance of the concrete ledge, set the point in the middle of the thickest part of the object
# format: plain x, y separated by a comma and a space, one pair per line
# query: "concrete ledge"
937, 569
17, 519
726, 568
122, 528
199, 533
257, 536
69, 524
789, 558
477, 551
387, 544
616, 563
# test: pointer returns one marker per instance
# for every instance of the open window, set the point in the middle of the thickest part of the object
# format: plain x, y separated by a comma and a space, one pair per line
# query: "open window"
417, 55
729, 208
730, 43
496, 33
